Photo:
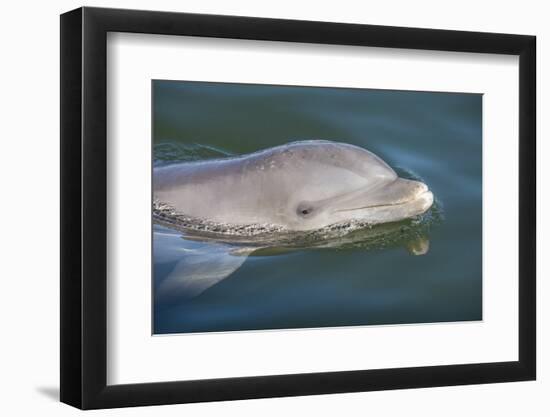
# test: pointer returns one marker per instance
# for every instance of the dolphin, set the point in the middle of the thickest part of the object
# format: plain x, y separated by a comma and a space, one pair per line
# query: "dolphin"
299, 186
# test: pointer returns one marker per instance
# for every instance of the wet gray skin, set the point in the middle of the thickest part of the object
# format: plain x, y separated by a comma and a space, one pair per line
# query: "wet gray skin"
299, 186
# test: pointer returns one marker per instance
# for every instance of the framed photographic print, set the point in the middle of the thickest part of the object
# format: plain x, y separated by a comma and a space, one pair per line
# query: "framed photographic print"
259, 207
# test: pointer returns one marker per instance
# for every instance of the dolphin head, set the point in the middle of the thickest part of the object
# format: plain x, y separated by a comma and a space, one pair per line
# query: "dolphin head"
301, 186
390, 201
341, 182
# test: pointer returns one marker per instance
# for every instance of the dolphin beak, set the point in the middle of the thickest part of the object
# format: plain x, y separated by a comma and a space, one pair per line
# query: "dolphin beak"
397, 192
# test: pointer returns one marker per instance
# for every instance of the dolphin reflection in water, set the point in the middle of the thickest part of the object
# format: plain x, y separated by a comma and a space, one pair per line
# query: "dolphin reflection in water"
303, 195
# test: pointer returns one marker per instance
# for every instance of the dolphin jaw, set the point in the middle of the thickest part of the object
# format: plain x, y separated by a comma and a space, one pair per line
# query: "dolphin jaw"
392, 212
424, 197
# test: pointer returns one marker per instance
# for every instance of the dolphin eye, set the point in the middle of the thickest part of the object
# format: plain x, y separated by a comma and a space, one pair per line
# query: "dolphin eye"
304, 210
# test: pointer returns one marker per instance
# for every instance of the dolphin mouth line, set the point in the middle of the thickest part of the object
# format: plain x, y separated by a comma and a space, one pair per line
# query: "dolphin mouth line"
416, 197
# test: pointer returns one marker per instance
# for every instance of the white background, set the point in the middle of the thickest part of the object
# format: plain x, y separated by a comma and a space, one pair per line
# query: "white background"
29, 178
134, 356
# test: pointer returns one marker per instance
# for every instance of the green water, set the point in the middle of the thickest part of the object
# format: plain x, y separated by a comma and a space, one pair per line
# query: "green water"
370, 277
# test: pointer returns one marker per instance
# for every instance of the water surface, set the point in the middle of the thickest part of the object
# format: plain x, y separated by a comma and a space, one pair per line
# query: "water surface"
364, 278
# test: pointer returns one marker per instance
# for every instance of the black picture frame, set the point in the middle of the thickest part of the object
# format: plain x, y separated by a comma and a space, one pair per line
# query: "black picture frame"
84, 207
